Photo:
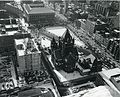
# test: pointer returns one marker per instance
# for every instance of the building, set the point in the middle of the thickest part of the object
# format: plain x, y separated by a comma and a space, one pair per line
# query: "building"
28, 55
4, 14
59, 31
114, 48
32, 1
112, 78
65, 51
69, 81
108, 11
6, 1
9, 24
39, 15
9, 30
65, 57
16, 10
27, 1
38, 92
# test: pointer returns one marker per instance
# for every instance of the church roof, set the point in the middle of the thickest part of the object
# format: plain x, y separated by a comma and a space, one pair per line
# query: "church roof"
53, 40
71, 58
57, 54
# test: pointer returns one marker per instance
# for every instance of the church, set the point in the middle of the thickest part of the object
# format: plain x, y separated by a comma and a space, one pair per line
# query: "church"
64, 53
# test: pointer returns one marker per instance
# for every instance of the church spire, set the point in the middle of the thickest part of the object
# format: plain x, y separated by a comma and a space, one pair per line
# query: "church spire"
67, 37
53, 40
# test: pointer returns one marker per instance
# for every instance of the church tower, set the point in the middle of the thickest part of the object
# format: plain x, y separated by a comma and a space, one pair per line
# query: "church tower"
54, 44
68, 43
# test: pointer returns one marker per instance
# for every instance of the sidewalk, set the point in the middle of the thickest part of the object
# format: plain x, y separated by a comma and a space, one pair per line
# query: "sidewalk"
82, 34
86, 38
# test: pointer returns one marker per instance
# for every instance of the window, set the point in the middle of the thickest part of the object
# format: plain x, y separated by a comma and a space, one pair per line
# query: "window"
20, 47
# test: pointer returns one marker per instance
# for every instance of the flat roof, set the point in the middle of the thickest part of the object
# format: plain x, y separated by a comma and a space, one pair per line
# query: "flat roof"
27, 0
23, 42
11, 26
106, 75
45, 42
40, 10
37, 10
6, 0
60, 31
49, 85
9, 33
37, 5
111, 72
31, 93
79, 43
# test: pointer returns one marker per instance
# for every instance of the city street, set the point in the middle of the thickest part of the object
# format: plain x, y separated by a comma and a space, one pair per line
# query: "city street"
59, 48
87, 39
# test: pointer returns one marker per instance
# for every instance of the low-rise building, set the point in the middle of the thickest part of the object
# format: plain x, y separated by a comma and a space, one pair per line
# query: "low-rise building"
9, 30
6, 1
27, 1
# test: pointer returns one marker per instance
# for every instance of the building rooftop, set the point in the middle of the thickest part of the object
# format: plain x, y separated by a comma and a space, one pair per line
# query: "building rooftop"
36, 5
100, 91
27, 0
60, 32
111, 72
42, 92
6, 0
37, 9
9, 33
45, 42
26, 46
107, 74
64, 76
9, 30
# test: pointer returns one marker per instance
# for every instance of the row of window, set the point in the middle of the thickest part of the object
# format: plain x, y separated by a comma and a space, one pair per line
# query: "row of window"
42, 16
101, 9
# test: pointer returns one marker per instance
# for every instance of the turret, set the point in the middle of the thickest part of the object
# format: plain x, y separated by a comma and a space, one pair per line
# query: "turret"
60, 43
54, 45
